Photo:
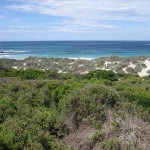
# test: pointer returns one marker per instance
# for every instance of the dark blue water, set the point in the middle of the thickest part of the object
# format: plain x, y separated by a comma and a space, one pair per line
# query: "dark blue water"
74, 49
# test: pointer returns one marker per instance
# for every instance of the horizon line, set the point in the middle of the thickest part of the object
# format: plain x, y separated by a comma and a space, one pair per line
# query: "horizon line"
75, 40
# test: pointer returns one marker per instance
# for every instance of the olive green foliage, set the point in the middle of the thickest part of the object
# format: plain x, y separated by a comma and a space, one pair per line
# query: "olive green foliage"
101, 74
136, 91
33, 74
112, 144
35, 105
115, 125
97, 137
88, 102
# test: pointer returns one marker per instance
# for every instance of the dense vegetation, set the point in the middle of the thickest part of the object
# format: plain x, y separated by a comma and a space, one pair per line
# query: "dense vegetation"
46, 110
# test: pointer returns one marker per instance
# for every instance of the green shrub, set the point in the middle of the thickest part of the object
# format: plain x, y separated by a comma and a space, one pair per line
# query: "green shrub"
121, 113
88, 101
115, 125
101, 74
28, 74
97, 124
97, 137
34, 112
112, 144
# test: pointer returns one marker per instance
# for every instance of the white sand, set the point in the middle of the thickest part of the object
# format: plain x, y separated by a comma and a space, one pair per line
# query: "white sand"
81, 65
60, 71
144, 71
131, 65
124, 69
114, 71
71, 63
107, 63
55, 62
15, 67
85, 72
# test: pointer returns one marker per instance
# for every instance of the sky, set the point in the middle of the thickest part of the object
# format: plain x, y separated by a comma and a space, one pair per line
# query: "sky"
31, 20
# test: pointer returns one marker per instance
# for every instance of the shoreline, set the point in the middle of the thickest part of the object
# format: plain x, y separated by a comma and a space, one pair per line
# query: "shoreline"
139, 65
18, 57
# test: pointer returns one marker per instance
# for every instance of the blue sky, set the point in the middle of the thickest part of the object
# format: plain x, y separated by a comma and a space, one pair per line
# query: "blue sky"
74, 20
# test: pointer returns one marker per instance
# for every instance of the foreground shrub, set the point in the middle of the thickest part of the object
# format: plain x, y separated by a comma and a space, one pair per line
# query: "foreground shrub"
88, 102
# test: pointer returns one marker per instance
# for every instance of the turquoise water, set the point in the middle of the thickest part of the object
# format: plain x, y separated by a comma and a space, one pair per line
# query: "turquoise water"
74, 49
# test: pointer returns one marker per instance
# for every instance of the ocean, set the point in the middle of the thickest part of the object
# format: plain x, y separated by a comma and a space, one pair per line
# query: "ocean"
73, 49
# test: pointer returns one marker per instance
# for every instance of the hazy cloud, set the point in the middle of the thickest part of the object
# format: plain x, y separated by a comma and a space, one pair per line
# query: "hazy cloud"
130, 10
100, 18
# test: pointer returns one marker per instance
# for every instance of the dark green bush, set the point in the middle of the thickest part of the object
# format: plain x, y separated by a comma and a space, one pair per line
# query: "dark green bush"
101, 74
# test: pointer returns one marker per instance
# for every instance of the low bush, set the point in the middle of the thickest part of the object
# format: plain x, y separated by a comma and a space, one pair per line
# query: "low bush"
112, 144
101, 74
89, 101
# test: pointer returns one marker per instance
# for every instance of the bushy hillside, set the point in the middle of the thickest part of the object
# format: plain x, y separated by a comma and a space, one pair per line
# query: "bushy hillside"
126, 65
45, 110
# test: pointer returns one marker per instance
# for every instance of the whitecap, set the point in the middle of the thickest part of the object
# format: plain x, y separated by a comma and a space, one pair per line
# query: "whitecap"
84, 58
11, 51
4, 56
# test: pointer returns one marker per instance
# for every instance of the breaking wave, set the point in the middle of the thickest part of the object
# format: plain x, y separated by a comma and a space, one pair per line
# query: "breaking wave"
11, 52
